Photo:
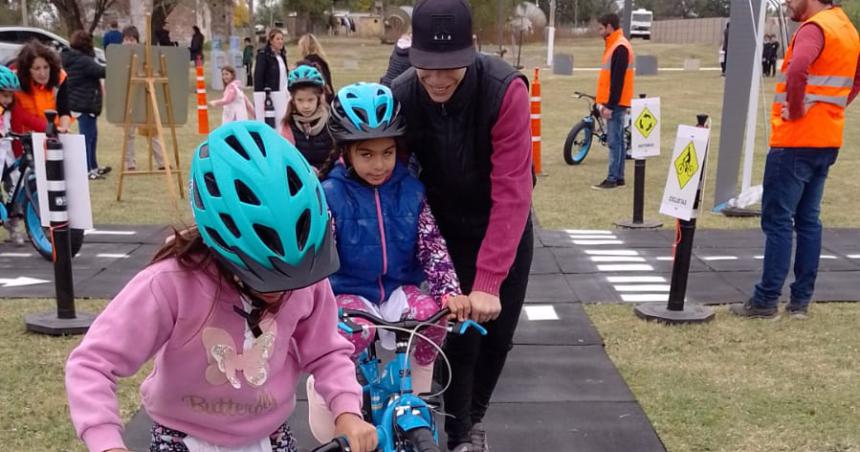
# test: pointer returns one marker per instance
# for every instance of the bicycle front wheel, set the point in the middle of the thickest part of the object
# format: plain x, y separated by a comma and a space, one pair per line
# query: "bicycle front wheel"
41, 237
578, 143
422, 440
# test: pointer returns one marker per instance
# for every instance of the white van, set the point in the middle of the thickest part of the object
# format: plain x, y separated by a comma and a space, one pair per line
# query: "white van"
640, 25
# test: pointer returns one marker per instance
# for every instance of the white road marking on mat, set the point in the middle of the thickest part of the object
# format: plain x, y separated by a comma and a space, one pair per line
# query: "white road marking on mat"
828, 256
541, 312
617, 259
640, 298
592, 237
105, 232
853, 256
612, 252
16, 254
758, 257
635, 279
625, 268
642, 287
720, 258
665, 258
587, 231
113, 255
597, 242
21, 281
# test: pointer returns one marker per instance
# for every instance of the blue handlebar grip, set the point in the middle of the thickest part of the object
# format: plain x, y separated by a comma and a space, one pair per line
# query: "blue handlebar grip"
345, 328
471, 323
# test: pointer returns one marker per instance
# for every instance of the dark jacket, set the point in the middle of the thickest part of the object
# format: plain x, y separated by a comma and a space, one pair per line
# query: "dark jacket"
266, 71
315, 149
398, 63
82, 83
322, 65
453, 143
619, 63
112, 37
196, 47
375, 259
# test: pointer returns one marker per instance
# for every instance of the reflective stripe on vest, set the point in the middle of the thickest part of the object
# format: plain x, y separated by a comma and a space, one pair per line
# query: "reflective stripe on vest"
829, 84
604, 82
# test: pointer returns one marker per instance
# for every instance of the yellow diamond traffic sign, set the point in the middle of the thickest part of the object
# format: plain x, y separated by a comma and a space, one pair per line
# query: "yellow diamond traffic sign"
686, 165
646, 122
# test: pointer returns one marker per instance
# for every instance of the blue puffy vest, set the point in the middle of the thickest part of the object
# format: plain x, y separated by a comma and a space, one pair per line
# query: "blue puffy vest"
375, 259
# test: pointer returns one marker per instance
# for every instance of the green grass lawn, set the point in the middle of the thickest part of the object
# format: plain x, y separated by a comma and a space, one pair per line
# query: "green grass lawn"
727, 386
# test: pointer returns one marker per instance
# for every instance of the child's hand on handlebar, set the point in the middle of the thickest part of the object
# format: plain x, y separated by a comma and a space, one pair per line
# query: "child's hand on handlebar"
460, 307
362, 436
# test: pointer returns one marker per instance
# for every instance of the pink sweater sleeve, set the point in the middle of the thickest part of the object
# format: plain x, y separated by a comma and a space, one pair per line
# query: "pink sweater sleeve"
808, 43
511, 189
326, 354
229, 95
124, 336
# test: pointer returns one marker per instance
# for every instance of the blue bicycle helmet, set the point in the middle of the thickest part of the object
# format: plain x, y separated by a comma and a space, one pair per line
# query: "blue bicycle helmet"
364, 111
260, 208
304, 76
9, 80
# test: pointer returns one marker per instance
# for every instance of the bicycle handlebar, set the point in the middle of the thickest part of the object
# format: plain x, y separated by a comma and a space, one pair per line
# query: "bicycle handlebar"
581, 95
335, 445
456, 327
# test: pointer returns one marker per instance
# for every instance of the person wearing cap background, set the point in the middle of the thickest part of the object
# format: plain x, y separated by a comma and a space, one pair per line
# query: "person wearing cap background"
468, 129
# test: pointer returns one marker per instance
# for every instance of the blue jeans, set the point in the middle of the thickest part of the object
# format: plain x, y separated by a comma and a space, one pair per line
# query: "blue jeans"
615, 141
793, 186
87, 124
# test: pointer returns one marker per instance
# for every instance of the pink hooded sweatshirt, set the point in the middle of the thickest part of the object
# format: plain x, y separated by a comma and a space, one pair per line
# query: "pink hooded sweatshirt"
203, 383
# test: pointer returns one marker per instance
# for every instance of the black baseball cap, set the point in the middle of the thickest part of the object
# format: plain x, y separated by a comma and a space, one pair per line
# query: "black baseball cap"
442, 35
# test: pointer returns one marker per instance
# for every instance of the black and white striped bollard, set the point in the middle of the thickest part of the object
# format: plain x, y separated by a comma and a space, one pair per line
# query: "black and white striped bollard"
65, 321
270, 109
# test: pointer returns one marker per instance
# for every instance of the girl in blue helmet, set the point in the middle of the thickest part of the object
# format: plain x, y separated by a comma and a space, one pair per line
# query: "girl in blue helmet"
386, 236
9, 84
307, 114
233, 311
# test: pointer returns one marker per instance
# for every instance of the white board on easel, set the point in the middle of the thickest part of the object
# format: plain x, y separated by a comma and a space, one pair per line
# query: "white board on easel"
77, 183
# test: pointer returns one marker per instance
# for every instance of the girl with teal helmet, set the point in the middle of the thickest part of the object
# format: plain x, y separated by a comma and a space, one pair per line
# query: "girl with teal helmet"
9, 84
307, 114
235, 308
386, 236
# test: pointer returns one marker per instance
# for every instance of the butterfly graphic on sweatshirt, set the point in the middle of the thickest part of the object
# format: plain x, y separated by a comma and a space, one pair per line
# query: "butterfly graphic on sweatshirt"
225, 361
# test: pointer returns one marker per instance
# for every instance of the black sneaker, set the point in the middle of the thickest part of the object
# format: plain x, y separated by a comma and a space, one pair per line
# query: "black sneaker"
619, 182
605, 185
797, 313
104, 170
750, 311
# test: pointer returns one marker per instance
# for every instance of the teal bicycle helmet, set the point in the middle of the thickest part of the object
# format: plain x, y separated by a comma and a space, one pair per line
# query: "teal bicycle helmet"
261, 209
9, 80
304, 76
364, 111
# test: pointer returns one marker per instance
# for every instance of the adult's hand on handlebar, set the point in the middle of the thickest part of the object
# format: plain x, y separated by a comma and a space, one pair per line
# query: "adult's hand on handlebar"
460, 307
362, 437
485, 307
605, 113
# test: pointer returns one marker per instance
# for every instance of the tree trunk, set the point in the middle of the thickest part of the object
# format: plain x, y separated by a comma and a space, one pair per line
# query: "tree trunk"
160, 10
70, 12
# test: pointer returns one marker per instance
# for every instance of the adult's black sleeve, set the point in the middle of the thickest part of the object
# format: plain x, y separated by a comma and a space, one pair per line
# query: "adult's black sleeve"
260, 68
620, 60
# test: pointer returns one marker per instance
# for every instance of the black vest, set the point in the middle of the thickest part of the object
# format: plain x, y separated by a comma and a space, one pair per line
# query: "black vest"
315, 149
452, 143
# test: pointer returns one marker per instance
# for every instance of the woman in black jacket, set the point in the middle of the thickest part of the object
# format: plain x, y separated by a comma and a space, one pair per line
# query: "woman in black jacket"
83, 92
398, 62
271, 70
196, 48
312, 51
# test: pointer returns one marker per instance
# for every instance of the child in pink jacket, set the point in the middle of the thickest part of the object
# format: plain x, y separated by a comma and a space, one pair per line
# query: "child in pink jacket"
236, 106
233, 311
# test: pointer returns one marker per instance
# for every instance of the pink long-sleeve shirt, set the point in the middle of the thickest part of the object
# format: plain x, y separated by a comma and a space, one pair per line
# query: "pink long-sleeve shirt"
185, 319
511, 189
808, 44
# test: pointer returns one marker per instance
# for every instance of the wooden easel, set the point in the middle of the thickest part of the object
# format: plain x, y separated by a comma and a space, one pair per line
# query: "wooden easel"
150, 80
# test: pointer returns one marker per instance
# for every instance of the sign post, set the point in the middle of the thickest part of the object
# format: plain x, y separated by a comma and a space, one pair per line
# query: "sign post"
644, 143
683, 194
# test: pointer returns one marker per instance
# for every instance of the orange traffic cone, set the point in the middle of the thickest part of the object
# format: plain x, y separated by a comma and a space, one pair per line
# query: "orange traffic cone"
202, 106
535, 116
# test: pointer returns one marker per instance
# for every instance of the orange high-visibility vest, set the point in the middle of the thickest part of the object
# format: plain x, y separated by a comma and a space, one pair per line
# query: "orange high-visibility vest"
831, 78
615, 40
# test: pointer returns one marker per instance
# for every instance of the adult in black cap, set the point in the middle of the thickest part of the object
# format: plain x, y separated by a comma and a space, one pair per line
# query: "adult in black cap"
468, 128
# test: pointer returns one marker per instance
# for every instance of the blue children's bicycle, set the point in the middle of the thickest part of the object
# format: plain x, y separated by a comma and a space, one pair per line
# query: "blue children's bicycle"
22, 200
403, 420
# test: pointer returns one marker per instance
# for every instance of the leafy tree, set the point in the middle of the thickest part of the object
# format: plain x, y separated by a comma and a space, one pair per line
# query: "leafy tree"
74, 13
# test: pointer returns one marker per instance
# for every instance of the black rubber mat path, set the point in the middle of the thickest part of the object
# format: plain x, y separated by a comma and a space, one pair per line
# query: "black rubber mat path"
559, 391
